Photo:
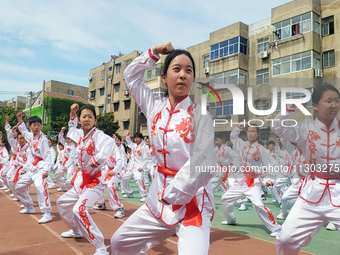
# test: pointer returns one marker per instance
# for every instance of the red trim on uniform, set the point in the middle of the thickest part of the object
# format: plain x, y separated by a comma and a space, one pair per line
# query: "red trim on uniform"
73, 117
152, 56
289, 110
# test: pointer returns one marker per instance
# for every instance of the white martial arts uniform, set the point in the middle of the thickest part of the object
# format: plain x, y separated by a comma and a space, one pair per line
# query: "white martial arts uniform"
182, 139
253, 158
88, 183
319, 200
50, 183
150, 165
4, 164
137, 160
41, 164
13, 163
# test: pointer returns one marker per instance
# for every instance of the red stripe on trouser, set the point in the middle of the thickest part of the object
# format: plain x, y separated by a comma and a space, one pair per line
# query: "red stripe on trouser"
115, 196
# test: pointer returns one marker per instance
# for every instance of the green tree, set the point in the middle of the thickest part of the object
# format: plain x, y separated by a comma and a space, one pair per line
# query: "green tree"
105, 122
11, 112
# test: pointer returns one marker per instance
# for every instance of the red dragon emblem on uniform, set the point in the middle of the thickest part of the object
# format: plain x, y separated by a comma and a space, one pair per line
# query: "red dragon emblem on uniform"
187, 126
90, 149
157, 117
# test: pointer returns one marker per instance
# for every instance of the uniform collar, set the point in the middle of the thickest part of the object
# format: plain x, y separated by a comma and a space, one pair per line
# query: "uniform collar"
323, 126
182, 105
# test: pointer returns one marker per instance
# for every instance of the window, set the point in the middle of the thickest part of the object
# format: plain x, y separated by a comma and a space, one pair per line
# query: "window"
262, 76
103, 74
126, 124
116, 87
237, 76
262, 104
92, 94
101, 91
127, 104
101, 109
295, 63
205, 61
264, 135
158, 92
328, 59
293, 95
48, 89
229, 47
70, 92
143, 120
116, 107
263, 44
110, 68
94, 77
220, 110
118, 68
296, 25
109, 98
328, 26
109, 79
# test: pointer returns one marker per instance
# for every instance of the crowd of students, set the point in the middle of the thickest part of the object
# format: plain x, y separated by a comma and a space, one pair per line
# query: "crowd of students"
180, 200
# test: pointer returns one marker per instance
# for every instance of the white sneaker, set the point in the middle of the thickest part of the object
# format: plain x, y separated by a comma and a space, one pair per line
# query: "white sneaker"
3, 188
61, 189
15, 199
7, 190
128, 195
51, 187
123, 192
242, 207
119, 214
239, 201
142, 199
47, 217
12, 195
227, 223
275, 233
331, 226
99, 207
274, 201
22, 206
27, 211
281, 217
101, 252
71, 234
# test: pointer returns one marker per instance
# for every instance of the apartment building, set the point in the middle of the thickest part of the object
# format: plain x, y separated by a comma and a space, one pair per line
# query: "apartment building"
295, 47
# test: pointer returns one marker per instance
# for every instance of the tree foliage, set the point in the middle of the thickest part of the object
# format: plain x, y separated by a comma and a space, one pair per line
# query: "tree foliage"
105, 122
11, 112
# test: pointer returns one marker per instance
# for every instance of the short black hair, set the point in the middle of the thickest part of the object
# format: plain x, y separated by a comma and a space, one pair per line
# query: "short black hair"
88, 107
270, 142
320, 90
140, 135
218, 136
260, 142
34, 119
118, 137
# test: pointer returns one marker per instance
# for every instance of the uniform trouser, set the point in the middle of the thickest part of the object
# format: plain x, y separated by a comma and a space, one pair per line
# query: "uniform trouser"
49, 181
218, 182
10, 177
59, 173
4, 172
236, 192
70, 173
42, 191
142, 231
138, 176
73, 209
289, 198
112, 195
303, 222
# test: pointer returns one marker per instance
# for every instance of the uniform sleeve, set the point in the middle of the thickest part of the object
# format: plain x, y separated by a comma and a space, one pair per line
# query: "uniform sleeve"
61, 138
29, 156
288, 146
104, 145
292, 134
192, 176
72, 156
118, 158
23, 130
238, 143
133, 74
12, 142
268, 164
45, 154
129, 143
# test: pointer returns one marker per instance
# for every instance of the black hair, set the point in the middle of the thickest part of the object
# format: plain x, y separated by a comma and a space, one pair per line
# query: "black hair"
320, 90
34, 119
260, 142
118, 137
218, 136
270, 142
140, 135
60, 144
257, 129
108, 132
174, 54
88, 107
4, 140
50, 140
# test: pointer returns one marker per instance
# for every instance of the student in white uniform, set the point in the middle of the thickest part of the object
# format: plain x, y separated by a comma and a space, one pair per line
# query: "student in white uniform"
39, 170
50, 183
93, 150
319, 199
180, 198
253, 157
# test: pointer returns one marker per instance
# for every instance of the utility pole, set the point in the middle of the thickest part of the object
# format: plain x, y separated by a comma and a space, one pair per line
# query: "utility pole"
42, 104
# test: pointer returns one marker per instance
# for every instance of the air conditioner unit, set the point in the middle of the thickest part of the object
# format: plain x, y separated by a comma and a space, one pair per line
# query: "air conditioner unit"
206, 70
90, 78
126, 93
318, 73
263, 54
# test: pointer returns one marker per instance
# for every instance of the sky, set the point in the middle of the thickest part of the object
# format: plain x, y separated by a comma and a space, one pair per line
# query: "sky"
63, 40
